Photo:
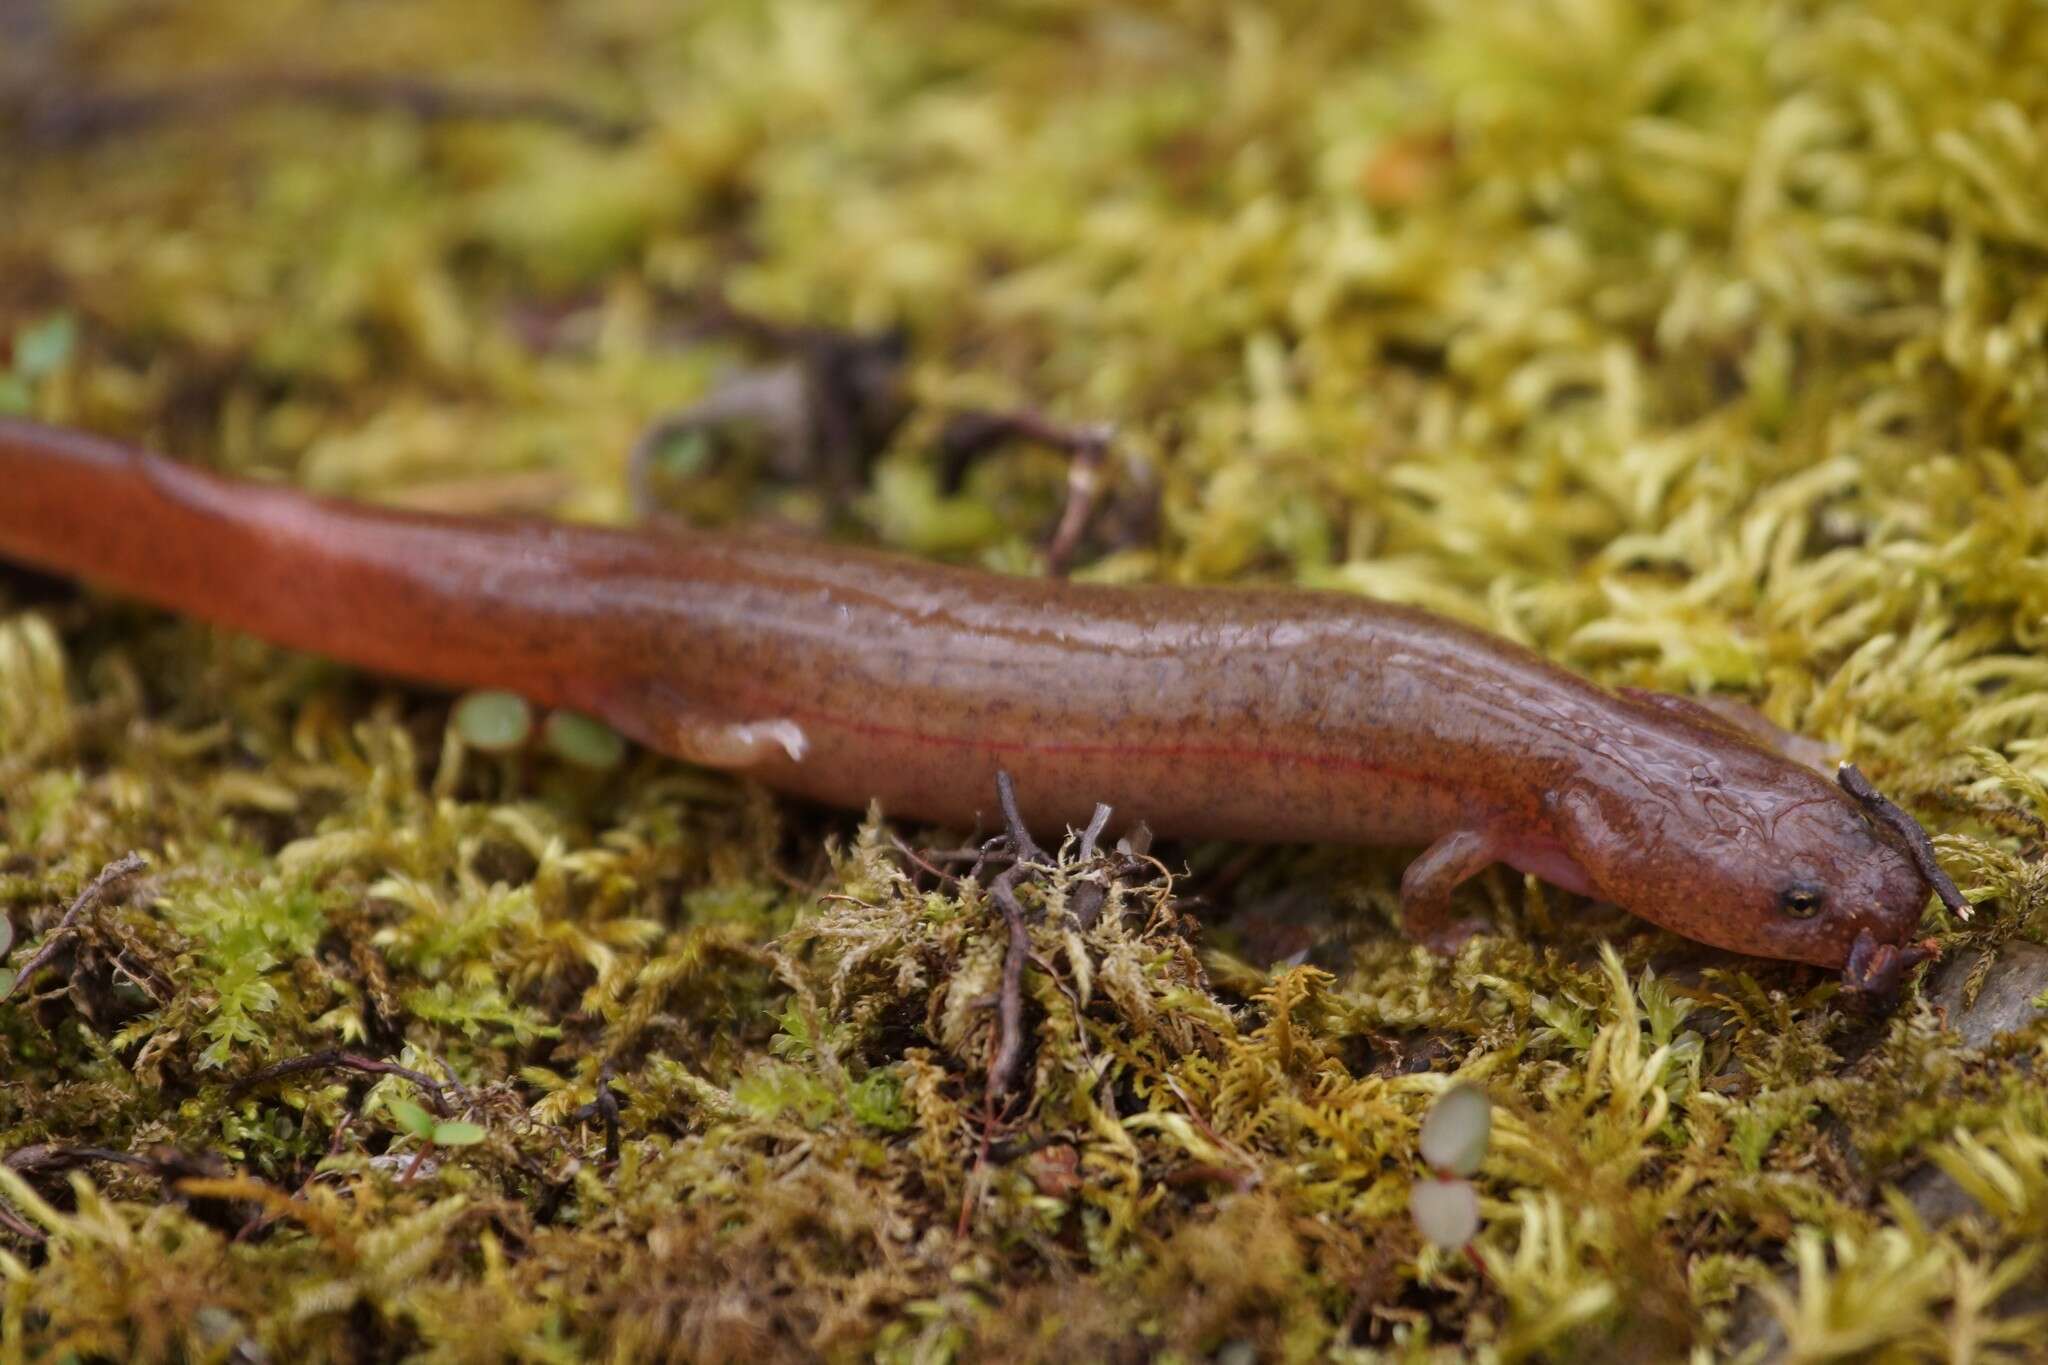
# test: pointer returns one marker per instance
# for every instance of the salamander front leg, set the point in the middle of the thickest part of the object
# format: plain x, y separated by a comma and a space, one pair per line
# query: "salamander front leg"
721, 744
666, 720
1427, 885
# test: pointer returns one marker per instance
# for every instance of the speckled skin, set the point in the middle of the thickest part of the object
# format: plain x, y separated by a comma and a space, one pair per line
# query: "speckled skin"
848, 676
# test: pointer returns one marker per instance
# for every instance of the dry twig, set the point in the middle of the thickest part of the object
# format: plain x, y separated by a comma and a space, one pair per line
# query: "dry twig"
96, 891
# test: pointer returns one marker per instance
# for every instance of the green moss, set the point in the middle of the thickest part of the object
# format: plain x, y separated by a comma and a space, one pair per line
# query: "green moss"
1698, 344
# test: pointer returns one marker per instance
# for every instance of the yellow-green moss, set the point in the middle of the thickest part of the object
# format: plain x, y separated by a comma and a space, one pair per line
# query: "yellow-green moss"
1701, 344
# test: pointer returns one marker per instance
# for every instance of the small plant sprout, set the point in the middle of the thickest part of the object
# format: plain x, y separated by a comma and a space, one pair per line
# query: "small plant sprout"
40, 350
430, 1131
1446, 1211
578, 739
1456, 1129
494, 722
1453, 1142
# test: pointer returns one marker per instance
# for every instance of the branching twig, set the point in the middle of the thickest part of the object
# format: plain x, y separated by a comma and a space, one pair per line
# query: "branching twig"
168, 1164
96, 891
336, 1059
1020, 837
604, 1108
1084, 490
21, 1227
1090, 896
86, 117
1002, 1072
1918, 846
47, 1156
970, 433
1096, 825
828, 406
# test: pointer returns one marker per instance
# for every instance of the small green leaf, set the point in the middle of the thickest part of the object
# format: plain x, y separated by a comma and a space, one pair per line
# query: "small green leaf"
411, 1117
6, 935
457, 1134
1456, 1129
6, 981
495, 722
685, 455
1446, 1212
585, 742
877, 1101
42, 347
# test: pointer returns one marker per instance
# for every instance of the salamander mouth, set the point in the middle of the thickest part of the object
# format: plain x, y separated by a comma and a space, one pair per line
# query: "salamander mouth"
1874, 969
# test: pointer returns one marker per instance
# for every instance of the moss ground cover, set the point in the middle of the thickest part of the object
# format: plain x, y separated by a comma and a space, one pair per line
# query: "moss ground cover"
1698, 344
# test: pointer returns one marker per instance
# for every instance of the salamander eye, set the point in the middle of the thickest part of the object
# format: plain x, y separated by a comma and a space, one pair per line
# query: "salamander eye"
1801, 900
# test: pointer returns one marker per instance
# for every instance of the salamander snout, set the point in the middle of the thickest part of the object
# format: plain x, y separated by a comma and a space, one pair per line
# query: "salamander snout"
1842, 893
1889, 896
1771, 859
1875, 964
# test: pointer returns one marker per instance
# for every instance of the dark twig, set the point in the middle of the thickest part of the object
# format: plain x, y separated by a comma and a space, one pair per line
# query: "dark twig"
46, 1156
1089, 897
453, 1082
970, 433
1002, 1072
1084, 490
922, 863
1918, 846
1096, 825
167, 1163
773, 397
335, 1059
1020, 837
1086, 905
828, 406
996, 850
1086, 908
606, 1109
96, 891
21, 1227
86, 117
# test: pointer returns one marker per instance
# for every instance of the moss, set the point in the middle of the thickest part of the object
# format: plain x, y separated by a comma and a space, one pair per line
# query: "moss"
1698, 344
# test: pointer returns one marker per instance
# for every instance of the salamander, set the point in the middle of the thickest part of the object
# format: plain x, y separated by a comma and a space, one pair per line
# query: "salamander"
849, 676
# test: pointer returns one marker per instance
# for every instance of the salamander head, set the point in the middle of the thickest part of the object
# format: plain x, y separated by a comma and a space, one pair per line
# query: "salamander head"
1745, 849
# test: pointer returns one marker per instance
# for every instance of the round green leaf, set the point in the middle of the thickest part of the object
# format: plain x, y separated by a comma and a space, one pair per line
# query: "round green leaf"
457, 1134
42, 347
685, 455
1456, 1129
6, 935
411, 1117
495, 722
1446, 1212
580, 740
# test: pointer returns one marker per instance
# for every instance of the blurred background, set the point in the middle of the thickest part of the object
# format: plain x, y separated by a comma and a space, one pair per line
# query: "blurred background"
1516, 311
